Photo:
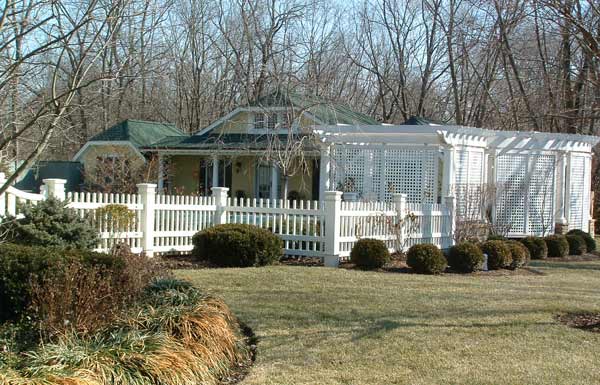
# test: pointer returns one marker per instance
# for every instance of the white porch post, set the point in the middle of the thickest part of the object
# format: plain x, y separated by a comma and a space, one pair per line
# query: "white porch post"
215, 172
161, 171
448, 176
324, 173
274, 182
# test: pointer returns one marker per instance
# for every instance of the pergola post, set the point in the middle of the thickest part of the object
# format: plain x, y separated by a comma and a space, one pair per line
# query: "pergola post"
215, 171
567, 192
324, 173
448, 172
560, 223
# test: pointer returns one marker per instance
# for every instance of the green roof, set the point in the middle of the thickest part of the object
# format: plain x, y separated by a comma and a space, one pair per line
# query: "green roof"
215, 141
138, 132
327, 111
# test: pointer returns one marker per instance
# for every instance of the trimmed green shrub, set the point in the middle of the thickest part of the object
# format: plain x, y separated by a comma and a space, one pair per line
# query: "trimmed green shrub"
498, 254
558, 246
577, 244
465, 257
519, 254
50, 223
237, 245
496, 237
426, 259
369, 253
590, 242
20, 264
536, 246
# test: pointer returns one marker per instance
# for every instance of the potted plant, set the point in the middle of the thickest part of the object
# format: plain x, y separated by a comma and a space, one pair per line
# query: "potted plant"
348, 187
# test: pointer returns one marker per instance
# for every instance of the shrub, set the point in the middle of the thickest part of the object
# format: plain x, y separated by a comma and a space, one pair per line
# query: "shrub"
465, 257
496, 237
78, 289
536, 246
590, 242
519, 254
558, 246
369, 253
498, 254
577, 244
50, 223
237, 245
426, 259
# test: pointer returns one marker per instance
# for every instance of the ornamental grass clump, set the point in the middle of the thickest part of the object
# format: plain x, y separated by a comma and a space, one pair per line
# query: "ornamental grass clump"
498, 254
426, 259
174, 335
369, 254
465, 257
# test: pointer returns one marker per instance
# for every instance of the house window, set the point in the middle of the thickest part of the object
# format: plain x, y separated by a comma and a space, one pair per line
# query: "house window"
267, 121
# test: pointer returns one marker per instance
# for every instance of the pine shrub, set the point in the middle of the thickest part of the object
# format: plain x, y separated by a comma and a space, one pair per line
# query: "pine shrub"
536, 246
498, 254
50, 223
577, 245
558, 246
426, 259
237, 245
465, 257
590, 242
369, 253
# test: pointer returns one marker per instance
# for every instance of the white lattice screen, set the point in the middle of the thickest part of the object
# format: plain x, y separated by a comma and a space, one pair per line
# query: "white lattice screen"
525, 193
579, 195
468, 181
381, 172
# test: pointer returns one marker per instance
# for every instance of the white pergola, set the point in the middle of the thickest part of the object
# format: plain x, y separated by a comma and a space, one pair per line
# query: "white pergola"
545, 178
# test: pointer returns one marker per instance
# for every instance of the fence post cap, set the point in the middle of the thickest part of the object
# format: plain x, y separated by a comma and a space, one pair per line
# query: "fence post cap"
146, 187
2, 176
219, 190
399, 196
54, 181
333, 195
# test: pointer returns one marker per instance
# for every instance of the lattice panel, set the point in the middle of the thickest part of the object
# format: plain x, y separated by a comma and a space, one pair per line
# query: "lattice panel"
577, 193
540, 205
378, 173
468, 179
511, 173
349, 167
412, 172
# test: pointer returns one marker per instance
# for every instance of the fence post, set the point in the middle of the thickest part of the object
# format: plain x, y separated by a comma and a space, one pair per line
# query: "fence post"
54, 188
2, 196
400, 204
147, 192
220, 194
333, 203
450, 203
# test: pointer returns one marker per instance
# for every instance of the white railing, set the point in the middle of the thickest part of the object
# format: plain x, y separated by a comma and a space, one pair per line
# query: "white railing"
328, 229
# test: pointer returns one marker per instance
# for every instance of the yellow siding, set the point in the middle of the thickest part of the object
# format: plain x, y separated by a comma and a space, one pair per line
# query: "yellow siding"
89, 158
184, 174
237, 124
242, 172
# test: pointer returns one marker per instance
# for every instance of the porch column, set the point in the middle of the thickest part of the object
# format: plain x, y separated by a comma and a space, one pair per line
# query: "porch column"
448, 176
324, 171
274, 181
161, 172
215, 172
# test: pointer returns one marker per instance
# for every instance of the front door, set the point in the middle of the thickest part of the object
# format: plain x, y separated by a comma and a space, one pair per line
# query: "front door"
263, 181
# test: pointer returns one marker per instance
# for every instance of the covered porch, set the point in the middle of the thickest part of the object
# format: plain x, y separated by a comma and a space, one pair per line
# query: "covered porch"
247, 175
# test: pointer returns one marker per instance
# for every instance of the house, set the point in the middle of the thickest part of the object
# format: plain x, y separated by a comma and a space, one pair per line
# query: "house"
540, 180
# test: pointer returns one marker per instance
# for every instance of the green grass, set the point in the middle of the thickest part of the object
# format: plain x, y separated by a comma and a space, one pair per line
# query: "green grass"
335, 326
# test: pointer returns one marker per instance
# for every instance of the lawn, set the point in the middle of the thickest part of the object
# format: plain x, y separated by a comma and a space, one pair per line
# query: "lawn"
333, 326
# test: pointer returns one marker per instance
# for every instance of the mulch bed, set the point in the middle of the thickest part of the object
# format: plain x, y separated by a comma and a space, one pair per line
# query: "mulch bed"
584, 321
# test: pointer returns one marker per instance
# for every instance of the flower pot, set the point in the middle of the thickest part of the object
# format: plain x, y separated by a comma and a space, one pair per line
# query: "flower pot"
350, 196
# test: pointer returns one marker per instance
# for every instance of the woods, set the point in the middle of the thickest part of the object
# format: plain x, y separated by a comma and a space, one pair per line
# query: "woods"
69, 69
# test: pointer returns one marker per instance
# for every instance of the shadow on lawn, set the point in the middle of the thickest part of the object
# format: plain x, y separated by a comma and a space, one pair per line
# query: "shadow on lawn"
568, 266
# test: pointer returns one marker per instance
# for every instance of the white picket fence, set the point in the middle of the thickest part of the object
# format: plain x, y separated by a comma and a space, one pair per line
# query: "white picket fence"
327, 229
